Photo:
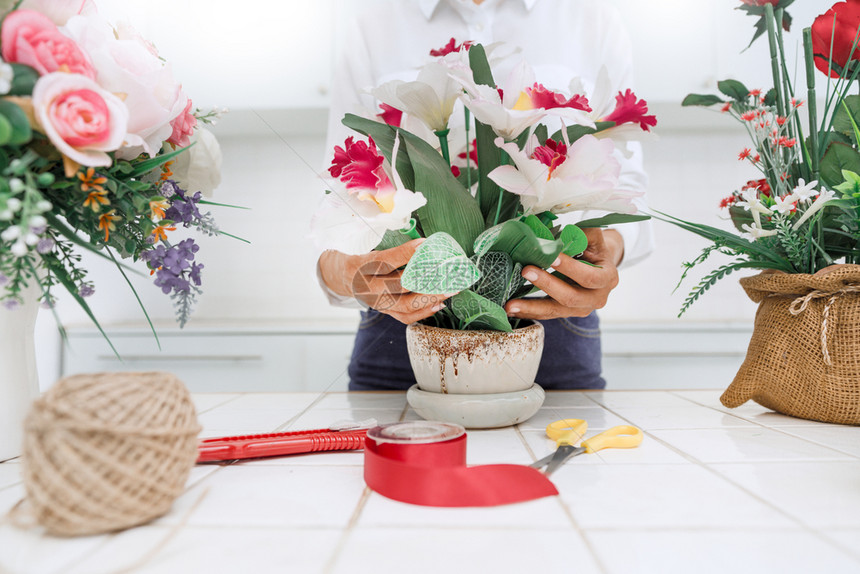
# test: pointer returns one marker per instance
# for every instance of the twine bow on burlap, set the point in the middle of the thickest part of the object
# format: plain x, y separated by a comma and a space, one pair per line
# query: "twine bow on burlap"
799, 305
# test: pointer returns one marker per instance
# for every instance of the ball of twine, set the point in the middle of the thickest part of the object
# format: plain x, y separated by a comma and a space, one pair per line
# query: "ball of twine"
108, 451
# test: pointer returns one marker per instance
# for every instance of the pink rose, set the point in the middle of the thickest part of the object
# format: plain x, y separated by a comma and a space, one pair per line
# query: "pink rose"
183, 126
126, 65
80, 119
30, 38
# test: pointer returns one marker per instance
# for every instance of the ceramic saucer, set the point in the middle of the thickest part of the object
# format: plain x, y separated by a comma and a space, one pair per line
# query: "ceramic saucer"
477, 411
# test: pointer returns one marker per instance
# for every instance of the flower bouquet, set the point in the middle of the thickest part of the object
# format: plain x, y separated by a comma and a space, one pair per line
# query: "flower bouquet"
799, 221
487, 207
92, 125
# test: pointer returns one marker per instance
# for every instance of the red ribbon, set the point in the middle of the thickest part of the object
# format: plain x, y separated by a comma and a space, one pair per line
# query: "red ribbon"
435, 474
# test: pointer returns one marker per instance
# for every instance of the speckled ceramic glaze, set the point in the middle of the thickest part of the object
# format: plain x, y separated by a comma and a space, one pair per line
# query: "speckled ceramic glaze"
474, 362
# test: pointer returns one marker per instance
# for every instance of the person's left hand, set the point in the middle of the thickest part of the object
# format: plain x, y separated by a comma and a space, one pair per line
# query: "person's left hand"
589, 287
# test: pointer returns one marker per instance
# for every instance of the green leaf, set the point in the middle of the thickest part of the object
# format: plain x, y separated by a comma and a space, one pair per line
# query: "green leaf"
5, 130
770, 97
536, 225
450, 207
487, 239
612, 219
23, 80
148, 165
734, 89
496, 268
21, 130
439, 266
69, 234
851, 183
392, 239
846, 116
839, 157
477, 312
574, 239
519, 241
701, 100
576, 131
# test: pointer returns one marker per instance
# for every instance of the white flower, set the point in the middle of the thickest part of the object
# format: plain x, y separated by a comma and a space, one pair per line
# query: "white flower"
584, 177
11, 233
199, 167
752, 203
430, 98
823, 197
804, 191
6, 77
19, 249
784, 205
756, 231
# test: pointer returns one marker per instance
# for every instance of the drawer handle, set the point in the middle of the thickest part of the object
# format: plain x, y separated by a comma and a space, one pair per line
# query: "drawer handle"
180, 358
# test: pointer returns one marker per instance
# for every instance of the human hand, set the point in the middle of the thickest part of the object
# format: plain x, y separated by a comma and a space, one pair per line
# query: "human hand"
582, 289
374, 279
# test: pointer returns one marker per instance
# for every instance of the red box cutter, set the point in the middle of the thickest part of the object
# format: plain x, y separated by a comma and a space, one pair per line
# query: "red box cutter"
279, 444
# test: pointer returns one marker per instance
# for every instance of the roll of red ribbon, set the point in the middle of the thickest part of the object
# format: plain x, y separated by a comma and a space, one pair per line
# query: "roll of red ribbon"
424, 462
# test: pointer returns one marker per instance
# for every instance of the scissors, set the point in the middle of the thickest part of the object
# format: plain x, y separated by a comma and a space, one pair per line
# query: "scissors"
567, 432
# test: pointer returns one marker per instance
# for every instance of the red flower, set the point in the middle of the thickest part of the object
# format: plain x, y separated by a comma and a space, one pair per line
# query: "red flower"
359, 166
391, 116
726, 107
744, 154
838, 26
755, 93
781, 120
473, 153
728, 201
455, 171
629, 110
541, 97
786, 142
552, 154
748, 116
759, 185
450, 47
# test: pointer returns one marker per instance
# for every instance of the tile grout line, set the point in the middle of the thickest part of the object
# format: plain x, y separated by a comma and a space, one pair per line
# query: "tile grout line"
294, 418
346, 532
585, 540
775, 429
815, 532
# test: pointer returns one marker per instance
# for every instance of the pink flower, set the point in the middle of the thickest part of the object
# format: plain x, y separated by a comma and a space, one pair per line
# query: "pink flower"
538, 96
390, 115
183, 126
450, 47
81, 120
359, 166
552, 155
126, 64
629, 110
30, 38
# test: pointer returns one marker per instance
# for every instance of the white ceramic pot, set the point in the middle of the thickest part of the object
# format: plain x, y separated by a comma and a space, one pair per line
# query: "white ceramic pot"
19, 381
474, 362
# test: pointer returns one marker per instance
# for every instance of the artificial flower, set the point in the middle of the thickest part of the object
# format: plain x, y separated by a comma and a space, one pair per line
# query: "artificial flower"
125, 64
30, 38
81, 120
199, 167
183, 125
836, 28
430, 97
59, 11
552, 178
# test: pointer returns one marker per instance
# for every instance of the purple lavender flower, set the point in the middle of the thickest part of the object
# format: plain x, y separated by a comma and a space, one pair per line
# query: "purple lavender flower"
195, 273
11, 304
45, 245
174, 268
3, 280
183, 209
86, 290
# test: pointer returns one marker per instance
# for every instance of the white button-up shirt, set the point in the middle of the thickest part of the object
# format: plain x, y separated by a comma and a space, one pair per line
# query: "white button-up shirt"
383, 40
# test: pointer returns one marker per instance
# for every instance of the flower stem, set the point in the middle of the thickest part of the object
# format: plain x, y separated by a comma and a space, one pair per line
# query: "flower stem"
468, 155
504, 159
812, 111
774, 59
443, 142
410, 230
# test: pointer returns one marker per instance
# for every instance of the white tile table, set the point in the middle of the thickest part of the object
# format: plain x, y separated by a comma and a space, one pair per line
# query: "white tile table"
709, 490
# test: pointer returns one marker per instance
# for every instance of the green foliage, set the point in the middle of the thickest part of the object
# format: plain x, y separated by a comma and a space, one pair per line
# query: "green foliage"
439, 266
611, 219
476, 312
18, 131
524, 247
574, 239
702, 100
838, 158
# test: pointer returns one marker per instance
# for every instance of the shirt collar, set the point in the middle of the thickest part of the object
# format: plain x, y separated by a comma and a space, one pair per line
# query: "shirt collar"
428, 7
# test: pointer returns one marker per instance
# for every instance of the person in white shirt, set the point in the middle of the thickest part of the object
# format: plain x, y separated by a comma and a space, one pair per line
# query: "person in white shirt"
383, 40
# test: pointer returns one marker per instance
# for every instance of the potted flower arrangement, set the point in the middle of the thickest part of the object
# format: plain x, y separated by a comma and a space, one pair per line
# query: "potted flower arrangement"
799, 222
92, 125
484, 217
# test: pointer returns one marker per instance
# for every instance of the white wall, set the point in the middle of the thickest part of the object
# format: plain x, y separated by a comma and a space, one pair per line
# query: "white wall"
269, 62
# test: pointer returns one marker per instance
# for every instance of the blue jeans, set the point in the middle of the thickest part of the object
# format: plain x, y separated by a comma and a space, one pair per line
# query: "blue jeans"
571, 355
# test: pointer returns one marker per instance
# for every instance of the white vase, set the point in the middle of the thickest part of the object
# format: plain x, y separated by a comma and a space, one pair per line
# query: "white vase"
19, 380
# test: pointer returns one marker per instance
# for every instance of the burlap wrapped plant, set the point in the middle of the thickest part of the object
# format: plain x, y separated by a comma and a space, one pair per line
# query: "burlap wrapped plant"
804, 356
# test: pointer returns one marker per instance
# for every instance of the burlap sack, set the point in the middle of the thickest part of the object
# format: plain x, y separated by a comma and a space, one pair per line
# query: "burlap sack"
804, 356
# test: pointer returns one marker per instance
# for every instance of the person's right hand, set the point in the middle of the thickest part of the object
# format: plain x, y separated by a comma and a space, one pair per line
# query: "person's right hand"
374, 279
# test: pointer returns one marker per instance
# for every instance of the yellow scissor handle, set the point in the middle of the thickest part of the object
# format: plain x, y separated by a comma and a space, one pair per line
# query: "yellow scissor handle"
623, 436
567, 431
